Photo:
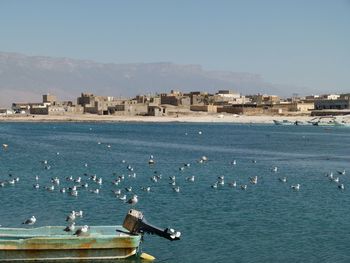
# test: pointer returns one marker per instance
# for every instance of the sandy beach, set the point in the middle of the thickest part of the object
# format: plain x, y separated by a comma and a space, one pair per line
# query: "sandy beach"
204, 118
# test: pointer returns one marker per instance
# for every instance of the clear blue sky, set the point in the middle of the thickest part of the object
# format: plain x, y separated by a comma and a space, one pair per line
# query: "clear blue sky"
293, 42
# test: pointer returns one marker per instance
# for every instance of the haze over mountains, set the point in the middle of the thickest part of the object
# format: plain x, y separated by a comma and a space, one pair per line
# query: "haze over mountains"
25, 78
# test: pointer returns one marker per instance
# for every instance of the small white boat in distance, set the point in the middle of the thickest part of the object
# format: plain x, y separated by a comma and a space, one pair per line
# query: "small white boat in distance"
284, 122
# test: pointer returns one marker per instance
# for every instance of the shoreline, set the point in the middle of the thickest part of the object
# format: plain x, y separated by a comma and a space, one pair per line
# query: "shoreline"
208, 118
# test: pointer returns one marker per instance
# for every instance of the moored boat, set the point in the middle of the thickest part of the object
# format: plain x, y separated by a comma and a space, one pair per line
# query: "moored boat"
51, 243
283, 122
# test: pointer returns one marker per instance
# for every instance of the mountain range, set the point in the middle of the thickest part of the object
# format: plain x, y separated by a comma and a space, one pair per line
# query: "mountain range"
25, 78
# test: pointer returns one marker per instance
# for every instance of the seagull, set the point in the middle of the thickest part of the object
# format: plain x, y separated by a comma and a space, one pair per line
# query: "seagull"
254, 180
55, 181
341, 172
146, 189
74, 193
233, 162
233, 184
244, 187
78, 180
154, 179
336, 180
63, 190
82, 231
295, 187
30, 221
215, 185
71, 217
117, 192
177, 189
191, 178
341, 187
99, 181
128, 189
50, 188
274, 169
70, 227
79, 214
96, 191
123, 198
200, 132
283, 180
36, 186
133, 200
70, 178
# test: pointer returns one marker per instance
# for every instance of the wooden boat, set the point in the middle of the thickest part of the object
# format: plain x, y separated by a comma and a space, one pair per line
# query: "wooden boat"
51, 243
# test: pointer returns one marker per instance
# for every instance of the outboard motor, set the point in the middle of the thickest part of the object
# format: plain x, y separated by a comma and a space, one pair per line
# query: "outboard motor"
137, 224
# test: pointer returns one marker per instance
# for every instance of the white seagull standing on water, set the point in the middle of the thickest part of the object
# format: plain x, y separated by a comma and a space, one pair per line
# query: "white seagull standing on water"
133, 200
295, 187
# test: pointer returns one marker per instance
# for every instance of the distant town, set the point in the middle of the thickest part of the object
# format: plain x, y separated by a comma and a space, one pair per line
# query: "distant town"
177, 103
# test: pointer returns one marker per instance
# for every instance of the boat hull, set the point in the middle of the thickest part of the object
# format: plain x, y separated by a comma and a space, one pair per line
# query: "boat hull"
49, 244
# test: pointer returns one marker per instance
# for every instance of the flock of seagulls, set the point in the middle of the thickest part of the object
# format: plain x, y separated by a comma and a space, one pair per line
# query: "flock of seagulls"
126, 192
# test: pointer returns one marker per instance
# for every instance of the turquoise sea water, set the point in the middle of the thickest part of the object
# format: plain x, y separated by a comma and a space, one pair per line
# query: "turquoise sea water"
269, 222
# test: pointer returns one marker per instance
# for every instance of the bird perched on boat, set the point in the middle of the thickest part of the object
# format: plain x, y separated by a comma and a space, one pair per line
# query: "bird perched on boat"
133, 200
295, 187
30, 221
70, 227
82, 231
